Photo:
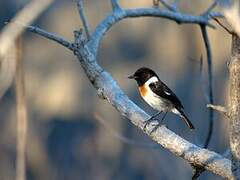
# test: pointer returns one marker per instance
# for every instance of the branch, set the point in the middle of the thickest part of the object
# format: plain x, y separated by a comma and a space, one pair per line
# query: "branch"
163, 136
213, 5
30, 12
200, 169
115, 5
121, 14
169, 7
218, 108
210, 82
224, 27
48, 35
83, 18
203, 84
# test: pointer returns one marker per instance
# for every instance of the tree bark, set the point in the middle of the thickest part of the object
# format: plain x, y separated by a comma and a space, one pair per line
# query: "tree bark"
234, 105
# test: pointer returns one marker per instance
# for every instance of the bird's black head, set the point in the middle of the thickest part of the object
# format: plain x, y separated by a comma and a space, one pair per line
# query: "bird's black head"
142, 75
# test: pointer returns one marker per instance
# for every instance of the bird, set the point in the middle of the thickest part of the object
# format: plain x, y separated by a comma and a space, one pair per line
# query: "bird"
158, 95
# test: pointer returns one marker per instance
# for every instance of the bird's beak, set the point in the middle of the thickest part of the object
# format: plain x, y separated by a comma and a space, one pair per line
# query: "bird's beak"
131, 77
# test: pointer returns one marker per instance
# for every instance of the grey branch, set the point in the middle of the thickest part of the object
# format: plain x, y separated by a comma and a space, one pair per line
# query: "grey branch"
104, 83
213, 5
168, 139
115, 5
83, 18
48, 35
117, 16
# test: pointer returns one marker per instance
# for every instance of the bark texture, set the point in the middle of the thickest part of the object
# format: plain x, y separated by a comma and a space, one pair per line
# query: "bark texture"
234, 105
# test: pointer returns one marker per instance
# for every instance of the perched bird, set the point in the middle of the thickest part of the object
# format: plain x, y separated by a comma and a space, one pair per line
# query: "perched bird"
158, 95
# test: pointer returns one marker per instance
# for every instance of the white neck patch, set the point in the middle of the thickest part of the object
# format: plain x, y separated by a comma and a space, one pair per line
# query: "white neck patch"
151, 80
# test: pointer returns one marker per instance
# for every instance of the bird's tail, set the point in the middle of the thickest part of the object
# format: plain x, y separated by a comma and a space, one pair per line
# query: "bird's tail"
185, 118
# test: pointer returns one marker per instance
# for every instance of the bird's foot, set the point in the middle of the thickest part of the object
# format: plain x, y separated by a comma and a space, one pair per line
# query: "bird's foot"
160, 124
155, 128
147, 122
153, 118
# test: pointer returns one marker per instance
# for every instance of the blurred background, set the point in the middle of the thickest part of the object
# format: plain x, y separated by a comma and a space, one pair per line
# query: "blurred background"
65, 140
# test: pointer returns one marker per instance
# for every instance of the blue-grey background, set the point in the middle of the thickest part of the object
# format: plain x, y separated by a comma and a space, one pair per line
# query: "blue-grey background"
65, 140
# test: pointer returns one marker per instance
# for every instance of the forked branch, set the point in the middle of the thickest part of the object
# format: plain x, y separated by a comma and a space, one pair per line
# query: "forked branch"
86, 52
115, 5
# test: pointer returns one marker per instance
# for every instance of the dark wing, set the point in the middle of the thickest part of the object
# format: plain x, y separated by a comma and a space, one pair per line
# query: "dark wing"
163, 91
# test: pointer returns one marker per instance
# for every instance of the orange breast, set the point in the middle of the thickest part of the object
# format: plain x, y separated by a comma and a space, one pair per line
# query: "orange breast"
142, 90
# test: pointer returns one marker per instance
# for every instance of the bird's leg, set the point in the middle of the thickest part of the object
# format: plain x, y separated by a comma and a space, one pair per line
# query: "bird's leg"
159, 123
163, 117
151, 119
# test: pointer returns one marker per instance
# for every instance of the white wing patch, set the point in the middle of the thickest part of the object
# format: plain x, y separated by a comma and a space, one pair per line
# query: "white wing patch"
151, 80
153, 99
168, 93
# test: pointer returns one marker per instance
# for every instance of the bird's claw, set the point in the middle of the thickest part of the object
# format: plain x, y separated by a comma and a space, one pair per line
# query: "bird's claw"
147, 122
155, 127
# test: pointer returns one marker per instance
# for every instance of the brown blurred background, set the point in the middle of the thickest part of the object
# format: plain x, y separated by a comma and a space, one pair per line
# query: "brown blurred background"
65, 141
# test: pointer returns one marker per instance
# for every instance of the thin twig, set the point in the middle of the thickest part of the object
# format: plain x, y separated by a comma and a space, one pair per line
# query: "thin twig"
123, 138
29, 13
83, 18
175, 5
210, 82
198, 170
232, 16
117, 16
203, 85
115, 5
223, 26
203, 89
169, 7
218, 108
22, 119
210, 8
48, 35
